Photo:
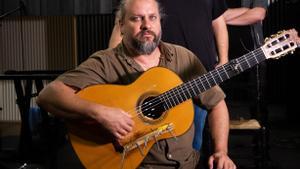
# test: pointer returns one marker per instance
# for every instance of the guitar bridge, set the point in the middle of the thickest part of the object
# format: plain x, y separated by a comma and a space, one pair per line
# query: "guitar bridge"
167, 128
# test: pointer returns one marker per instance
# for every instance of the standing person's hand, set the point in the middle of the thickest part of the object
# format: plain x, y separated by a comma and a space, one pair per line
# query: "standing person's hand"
221, 63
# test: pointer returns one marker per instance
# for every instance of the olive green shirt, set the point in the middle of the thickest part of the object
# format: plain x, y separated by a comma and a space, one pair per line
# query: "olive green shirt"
115, 66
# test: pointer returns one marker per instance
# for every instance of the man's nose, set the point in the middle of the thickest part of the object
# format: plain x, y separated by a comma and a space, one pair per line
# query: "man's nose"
146, 24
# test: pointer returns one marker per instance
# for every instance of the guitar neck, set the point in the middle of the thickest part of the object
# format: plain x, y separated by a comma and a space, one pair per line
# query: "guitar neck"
202, 83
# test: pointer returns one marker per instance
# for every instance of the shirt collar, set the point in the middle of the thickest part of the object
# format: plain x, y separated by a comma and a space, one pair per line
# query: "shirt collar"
166, 52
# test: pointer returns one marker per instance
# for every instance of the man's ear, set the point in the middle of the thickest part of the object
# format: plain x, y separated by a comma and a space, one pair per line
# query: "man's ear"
121, 24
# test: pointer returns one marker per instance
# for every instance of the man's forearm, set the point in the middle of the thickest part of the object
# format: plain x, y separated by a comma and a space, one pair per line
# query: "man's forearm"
232, 13
221, 35
60, 100
219, 126
250, 17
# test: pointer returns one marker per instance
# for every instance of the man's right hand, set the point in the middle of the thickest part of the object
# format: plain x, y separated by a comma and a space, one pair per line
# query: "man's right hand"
117, 121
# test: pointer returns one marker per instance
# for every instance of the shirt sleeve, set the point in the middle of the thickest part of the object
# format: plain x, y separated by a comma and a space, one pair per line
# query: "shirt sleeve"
84, 75
260, 3
255, 3
211, 96
218, 8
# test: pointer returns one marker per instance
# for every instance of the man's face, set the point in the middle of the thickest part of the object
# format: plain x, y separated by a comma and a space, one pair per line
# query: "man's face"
141, 26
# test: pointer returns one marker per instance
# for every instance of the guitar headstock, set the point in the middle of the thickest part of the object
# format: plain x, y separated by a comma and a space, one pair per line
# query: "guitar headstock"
280, 44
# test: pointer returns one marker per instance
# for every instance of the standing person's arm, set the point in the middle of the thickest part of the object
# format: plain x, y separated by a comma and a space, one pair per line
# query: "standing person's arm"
116, 36
219, 125
244, 16
232, 13
221, 36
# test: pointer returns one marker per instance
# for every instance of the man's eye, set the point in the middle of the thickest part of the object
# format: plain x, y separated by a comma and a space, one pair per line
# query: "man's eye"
136, 18
153, 17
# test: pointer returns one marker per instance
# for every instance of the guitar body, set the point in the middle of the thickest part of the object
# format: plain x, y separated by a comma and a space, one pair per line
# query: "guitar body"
95, 146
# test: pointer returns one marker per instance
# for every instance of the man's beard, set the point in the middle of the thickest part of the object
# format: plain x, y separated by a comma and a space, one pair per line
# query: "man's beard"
145, 47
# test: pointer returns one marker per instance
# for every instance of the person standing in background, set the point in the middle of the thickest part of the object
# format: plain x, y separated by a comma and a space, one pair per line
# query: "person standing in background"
245, 27
249, 13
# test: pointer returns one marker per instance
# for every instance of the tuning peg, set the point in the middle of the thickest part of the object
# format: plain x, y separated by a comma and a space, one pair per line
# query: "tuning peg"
267, 39
281, 31
273, 36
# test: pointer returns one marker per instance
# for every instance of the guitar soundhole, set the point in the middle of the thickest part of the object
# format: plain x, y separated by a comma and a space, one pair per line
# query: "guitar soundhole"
152, 108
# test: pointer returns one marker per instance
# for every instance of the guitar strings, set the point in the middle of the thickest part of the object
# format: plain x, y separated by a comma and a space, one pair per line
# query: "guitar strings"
209, 76
242, 60
223, 70
247, 58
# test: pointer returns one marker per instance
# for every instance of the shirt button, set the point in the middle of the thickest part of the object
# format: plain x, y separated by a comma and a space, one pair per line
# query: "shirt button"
169, 156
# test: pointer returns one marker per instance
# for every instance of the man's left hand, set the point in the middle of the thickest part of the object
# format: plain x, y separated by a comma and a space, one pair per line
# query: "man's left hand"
220, 160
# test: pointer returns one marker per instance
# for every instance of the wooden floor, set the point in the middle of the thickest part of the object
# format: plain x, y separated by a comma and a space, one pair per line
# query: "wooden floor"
9, 128
9, 135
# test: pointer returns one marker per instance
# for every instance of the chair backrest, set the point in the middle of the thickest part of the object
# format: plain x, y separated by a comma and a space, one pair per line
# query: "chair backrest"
199, 122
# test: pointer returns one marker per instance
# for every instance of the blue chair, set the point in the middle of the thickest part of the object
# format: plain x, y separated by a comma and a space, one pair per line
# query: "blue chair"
199, 121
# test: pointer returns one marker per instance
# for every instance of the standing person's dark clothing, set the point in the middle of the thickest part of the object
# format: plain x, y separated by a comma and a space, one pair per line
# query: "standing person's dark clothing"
243, 39
189, 23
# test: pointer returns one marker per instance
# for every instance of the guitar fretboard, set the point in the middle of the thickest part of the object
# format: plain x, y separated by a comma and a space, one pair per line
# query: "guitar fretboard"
202, 83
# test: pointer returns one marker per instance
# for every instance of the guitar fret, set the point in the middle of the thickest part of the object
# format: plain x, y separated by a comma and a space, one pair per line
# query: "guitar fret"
171, 99
261, 57
187, 90
254, 57
213, 77
199, 90
223, 66
183, 92
219, 75
252, 61
243, 65
180, 95
247, 63
166, 101
206, 83
193, 91
174, 96
203, 87
209, 86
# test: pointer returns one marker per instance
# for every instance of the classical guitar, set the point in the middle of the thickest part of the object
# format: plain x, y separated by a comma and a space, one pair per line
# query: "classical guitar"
161, 107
